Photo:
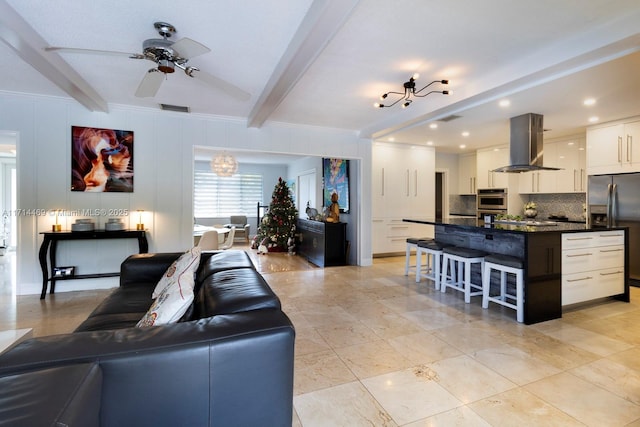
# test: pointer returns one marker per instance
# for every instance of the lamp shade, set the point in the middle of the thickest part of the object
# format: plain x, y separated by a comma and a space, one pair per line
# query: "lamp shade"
224, 164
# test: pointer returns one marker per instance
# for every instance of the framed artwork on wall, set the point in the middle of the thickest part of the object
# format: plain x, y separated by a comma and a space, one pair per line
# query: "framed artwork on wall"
101, 160
335, 178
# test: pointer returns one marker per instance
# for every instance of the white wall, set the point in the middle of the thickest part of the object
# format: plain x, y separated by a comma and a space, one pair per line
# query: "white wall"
163, 156
449, 162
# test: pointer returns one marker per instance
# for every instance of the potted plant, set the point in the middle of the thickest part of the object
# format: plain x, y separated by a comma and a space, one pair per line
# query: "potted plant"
530, 210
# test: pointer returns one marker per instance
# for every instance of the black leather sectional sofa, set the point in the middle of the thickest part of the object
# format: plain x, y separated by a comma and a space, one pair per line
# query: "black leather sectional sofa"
227, 362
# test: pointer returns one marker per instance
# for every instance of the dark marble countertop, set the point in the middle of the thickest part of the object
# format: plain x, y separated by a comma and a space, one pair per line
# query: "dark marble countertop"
519, 227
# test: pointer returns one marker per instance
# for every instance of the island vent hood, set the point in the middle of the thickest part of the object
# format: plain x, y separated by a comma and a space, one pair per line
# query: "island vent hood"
525, 146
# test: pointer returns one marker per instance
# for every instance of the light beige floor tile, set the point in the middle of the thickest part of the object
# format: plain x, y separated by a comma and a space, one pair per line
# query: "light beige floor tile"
587, 340
372, 359
423, 347
327, 407
431, 319
585, 401
308, 340
410, 395
388, 326
470, 337
467, 379
458, 417
320, 370
405, 304
515, 365
519, 408
629, 358
616, 378
328, 316
347, 334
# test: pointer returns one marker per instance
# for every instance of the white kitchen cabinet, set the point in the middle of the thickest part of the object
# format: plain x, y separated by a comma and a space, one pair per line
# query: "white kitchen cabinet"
614, 148
403, 187
489, 159
467, 178
568, 155
592, 265
537, 182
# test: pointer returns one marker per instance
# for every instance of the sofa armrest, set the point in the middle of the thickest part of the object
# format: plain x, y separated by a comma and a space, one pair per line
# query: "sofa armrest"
225, 370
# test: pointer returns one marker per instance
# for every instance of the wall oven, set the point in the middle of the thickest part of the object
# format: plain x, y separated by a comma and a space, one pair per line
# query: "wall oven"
491, 201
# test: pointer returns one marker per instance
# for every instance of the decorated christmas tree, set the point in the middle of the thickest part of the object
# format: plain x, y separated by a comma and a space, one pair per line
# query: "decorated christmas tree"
279, 223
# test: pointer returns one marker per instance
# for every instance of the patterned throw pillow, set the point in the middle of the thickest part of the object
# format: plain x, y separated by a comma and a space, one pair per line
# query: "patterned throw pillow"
171, 304
188, 261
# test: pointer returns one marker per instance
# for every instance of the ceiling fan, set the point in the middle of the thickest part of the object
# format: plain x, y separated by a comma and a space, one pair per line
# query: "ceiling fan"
168, 55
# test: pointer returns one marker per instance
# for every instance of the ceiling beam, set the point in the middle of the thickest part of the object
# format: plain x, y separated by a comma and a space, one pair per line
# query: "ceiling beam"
319, 26
28, 45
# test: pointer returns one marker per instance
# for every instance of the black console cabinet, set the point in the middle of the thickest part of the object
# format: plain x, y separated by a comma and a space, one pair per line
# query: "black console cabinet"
323, 243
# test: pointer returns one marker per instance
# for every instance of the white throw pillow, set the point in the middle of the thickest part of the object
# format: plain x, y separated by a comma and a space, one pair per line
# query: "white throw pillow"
188, 261
171, 304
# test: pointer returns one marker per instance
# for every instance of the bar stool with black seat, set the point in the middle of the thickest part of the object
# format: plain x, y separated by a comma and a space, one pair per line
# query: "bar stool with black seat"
412, 243
505, 265
456, 270
432, 251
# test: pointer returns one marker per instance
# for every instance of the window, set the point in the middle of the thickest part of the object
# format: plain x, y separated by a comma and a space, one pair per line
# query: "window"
215, 196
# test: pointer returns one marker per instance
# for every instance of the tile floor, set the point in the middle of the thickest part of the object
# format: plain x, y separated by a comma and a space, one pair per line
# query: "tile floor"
376, 349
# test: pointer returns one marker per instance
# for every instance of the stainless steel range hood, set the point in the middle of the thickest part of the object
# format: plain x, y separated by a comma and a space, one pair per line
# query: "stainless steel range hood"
525, 147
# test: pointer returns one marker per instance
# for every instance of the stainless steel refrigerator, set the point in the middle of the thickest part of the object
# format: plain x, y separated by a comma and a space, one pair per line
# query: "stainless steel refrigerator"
614, 201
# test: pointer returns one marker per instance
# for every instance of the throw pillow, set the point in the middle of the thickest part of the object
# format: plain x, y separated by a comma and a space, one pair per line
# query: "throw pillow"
171, 304
188, 261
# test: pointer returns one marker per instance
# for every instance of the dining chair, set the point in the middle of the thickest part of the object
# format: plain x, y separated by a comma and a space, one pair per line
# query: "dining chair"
209, 241
228, 243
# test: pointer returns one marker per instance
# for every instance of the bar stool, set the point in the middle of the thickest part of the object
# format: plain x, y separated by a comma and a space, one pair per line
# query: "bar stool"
459, 261
505, 265
412, 243
432, 251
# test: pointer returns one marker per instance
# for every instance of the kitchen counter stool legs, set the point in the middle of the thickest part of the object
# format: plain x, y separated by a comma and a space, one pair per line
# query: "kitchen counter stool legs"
505, 265
432, 251
412, 244
456, 271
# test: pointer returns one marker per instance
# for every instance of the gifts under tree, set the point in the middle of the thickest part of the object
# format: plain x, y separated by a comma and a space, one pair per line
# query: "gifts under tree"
279, 223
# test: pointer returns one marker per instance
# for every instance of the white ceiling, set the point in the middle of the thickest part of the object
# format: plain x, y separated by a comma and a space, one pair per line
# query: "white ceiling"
324, 63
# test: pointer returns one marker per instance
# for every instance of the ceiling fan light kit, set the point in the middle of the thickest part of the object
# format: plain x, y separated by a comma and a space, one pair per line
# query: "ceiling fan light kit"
167, 55
411, 92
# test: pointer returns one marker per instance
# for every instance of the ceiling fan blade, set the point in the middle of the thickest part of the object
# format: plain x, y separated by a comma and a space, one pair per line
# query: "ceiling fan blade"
150, 84
92, 51
226, 87
187, 48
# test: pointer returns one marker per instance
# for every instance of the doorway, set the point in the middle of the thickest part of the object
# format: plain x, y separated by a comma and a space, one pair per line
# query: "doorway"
441, 201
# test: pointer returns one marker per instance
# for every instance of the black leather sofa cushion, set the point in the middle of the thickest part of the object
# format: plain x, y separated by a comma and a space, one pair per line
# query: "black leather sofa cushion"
233, 291
61, 396
225, 260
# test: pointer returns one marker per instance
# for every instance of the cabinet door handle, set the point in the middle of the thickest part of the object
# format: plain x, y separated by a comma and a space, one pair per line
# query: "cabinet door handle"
629, 147
415, 191
610, 235
532, 186
610, 250
382, 182
611, 274
578, 255
580, 238
580, 279
582, 179
407, 182
619, 149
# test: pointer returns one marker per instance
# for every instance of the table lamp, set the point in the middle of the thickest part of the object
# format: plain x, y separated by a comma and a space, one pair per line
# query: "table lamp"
140, 225
56, 226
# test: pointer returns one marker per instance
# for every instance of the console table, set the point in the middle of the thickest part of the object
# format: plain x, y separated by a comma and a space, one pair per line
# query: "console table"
50, 243
323, 243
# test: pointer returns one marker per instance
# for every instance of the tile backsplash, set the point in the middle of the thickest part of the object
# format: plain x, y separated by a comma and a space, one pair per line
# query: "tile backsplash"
571, 205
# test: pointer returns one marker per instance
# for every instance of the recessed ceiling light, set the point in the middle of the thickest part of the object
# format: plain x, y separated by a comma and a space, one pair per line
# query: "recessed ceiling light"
465, 133
570, 143
433, 126
391, 139
429, 142
463, 146
589, 101
504, 103
593, 119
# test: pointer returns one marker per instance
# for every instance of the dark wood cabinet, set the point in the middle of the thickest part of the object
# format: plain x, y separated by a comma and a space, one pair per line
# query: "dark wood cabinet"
323, 243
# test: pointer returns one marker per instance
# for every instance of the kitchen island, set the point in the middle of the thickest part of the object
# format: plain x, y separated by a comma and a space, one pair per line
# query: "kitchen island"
564, 263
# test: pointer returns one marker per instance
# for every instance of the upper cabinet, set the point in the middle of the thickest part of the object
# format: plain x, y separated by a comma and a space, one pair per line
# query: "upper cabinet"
489, 159
467, 177
567, 155
614, 148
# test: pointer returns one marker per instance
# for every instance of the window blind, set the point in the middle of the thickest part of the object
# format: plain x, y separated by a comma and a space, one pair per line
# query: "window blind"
215, 196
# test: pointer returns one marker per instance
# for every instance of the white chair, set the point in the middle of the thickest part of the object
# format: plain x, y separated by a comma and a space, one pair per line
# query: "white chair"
505, 265
209, 241
229, 242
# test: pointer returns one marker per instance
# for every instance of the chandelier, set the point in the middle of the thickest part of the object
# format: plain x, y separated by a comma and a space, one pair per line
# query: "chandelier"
410, 91
224, 164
